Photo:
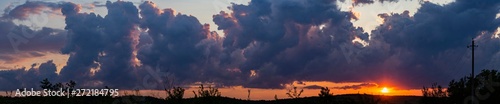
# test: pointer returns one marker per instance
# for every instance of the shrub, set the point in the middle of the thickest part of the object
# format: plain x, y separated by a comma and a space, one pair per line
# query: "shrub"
486, 85
46, 84
325, 92
434, 95
293, 93
210, 92
175, 93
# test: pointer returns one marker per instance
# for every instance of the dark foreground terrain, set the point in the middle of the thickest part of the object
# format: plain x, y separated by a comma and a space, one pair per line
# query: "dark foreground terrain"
339, 99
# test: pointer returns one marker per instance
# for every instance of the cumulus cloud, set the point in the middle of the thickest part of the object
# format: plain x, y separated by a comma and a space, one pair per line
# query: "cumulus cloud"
84, 43
120, 39
405, 51
27, 78
282, 39
356, 87
313, 87
101, 48
32, 7
20, 42
180, 45
431, 44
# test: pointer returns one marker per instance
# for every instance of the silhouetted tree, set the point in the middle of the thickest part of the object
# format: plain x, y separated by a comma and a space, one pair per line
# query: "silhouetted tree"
293, 93
434, 91
58, 86
325, 92
434, 95
210, 92
137, 93
175, 93
46, 84
195, 95
487, 88
71, 85
326, 96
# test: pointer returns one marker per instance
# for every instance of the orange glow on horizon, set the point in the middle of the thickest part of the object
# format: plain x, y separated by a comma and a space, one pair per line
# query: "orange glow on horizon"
269, 94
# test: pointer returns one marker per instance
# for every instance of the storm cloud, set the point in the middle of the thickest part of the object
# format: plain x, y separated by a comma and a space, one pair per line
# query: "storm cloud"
181, 45
84, 43
23, 78
282, 41
405, 51
21, 42
431, 44
31, 7
102, 50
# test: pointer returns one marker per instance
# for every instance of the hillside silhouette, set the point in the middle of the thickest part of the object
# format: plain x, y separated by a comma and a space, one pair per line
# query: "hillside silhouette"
338, 99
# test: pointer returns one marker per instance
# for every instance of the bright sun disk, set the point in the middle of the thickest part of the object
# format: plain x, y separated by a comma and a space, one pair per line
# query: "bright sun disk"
384, 90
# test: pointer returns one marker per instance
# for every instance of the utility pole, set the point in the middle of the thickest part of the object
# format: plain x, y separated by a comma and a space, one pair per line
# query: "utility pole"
472, 46
248, 94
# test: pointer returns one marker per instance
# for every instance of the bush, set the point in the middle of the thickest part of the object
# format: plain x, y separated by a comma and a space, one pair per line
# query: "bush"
175, 93
486, 83
46, 84
434, 95
210, 92
325, 92
294, 94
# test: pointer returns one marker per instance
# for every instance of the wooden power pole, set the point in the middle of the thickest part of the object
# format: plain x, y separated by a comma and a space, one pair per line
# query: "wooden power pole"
472, 46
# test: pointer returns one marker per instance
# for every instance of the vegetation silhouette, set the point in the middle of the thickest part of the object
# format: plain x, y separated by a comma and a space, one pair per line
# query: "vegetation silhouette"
175, 93
325, 92
487, 89
46, 84
433, 95
210, 92
293, 93
487, 92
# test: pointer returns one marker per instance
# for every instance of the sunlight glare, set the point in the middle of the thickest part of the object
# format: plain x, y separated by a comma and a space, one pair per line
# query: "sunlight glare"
384, 90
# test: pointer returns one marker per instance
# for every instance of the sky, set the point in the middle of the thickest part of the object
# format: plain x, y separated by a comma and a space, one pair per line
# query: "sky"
350, 46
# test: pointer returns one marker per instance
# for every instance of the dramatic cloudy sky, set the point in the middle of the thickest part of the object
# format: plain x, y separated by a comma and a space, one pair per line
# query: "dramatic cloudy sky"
265, 44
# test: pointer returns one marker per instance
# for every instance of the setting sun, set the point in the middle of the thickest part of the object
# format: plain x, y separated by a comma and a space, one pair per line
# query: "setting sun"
384, 90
